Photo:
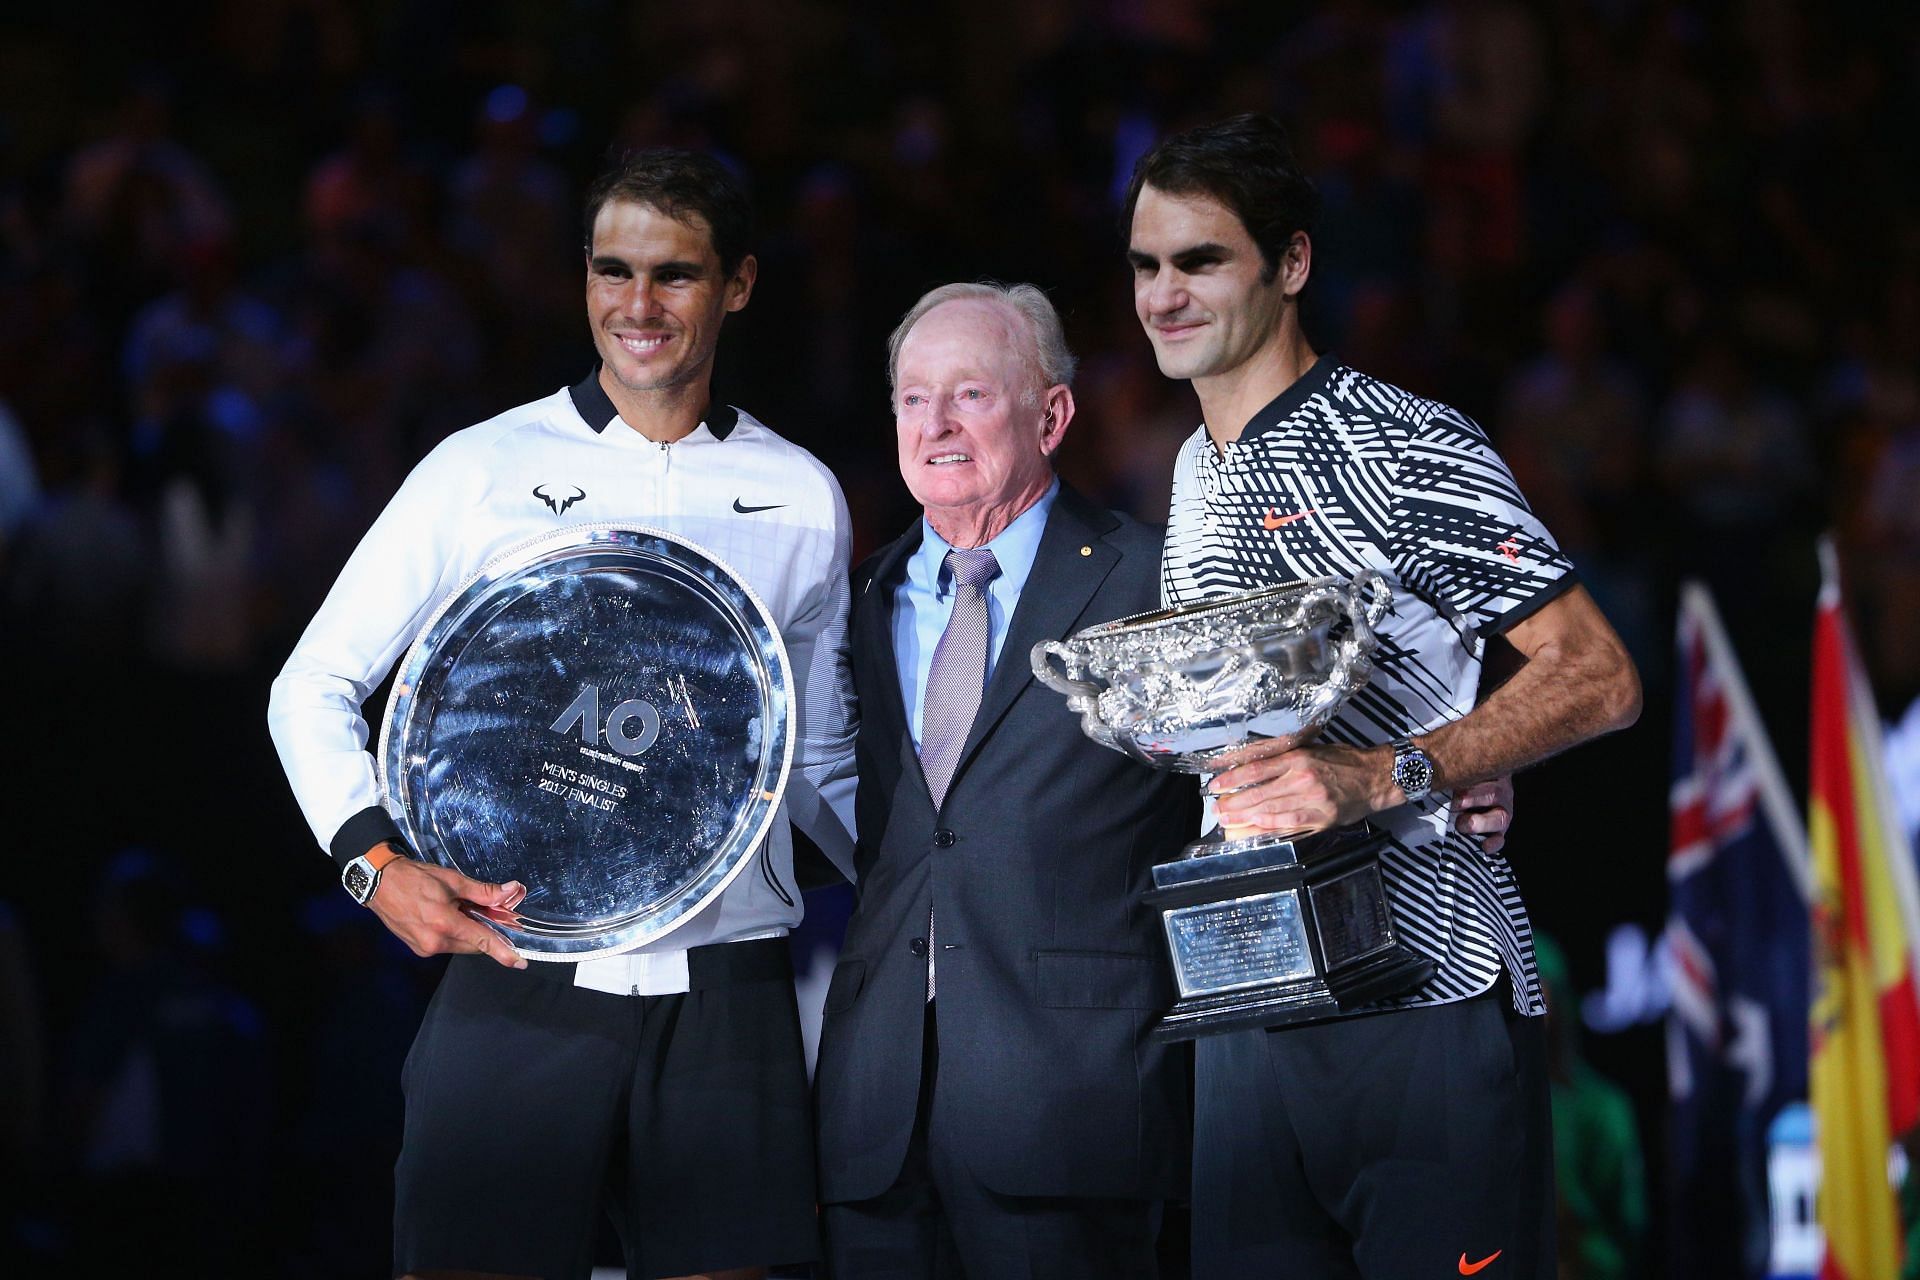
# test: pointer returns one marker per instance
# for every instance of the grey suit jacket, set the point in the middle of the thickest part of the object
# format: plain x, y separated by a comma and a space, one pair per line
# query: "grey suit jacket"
1050, 969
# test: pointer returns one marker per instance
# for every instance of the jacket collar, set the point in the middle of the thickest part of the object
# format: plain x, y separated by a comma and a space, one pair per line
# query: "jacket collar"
1073, 560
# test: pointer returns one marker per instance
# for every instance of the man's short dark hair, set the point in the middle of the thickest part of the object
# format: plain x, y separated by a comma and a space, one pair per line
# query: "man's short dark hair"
1247, 164
680, 183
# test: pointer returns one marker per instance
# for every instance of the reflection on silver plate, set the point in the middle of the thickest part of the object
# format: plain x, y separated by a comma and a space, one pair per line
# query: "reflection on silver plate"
601, 714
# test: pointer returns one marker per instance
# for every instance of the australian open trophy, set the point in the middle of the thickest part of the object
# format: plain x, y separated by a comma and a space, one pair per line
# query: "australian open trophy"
1271, 928
601, 714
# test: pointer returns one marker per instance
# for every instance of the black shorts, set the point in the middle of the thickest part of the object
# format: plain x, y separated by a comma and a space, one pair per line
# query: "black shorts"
532, 1105
1416, 1142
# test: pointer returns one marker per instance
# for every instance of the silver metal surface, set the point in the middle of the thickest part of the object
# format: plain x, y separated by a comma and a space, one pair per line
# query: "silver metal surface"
1209, 860
1180, 687
1251, 941
603, 715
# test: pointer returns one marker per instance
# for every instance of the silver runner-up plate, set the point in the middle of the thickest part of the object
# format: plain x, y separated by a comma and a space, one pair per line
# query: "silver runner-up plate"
601, 714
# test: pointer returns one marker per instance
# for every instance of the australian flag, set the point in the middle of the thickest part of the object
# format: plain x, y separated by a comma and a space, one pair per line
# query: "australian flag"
1737, 943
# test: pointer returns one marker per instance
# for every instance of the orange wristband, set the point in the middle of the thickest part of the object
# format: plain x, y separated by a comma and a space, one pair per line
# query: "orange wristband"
381, 854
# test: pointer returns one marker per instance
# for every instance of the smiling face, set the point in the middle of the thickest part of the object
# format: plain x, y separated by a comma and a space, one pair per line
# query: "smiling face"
1198, 287
975, 428
656, 297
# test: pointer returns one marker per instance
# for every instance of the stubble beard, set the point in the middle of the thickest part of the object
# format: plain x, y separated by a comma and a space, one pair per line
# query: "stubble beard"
1185, 365
682, 376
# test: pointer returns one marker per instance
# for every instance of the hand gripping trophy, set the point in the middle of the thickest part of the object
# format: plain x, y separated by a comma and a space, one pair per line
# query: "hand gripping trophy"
1271, 928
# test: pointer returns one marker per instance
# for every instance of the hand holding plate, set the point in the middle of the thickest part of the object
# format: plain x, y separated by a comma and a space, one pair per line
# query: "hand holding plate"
423, 905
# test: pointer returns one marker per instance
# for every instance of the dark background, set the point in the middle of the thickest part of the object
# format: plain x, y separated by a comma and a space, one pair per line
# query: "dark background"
257, 256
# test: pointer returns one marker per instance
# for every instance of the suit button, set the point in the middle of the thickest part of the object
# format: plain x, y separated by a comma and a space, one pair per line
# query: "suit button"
943, 839
918, 946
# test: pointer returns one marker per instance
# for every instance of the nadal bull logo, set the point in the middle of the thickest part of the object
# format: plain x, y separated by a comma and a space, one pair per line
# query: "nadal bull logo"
558, 501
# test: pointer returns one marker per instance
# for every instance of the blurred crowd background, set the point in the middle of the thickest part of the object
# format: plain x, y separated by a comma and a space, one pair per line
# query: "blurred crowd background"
257, 256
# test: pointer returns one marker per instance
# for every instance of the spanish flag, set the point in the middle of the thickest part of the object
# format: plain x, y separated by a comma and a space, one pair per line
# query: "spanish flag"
1865, 1018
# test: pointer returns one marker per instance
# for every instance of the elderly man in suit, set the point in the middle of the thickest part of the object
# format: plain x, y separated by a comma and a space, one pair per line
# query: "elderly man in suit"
989, 1102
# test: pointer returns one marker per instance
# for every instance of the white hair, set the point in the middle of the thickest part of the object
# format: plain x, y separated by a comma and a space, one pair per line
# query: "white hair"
1048, 352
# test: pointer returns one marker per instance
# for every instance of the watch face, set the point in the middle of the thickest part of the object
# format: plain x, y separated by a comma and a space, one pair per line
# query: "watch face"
358, 881
1414, 772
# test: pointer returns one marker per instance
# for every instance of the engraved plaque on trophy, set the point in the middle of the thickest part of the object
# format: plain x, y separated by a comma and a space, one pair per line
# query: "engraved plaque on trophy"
603, 715
1267, 929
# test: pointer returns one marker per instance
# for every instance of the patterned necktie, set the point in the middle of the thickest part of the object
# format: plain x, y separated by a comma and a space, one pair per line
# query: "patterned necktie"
958, 673
955, 681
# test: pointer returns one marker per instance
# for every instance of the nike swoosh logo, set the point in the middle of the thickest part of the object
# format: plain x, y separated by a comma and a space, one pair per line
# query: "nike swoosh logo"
1475, 1268
1272, 521
747, 511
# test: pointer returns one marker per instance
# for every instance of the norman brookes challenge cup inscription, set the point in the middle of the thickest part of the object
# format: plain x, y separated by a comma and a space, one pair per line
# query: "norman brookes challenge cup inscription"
1228, 946
602, 715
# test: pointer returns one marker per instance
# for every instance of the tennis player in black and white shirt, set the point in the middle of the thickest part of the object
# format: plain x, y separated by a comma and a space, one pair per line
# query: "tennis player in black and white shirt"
668, 1084
1414, 1138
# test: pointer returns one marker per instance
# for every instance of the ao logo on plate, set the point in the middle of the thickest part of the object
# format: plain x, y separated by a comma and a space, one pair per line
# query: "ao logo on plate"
585, 712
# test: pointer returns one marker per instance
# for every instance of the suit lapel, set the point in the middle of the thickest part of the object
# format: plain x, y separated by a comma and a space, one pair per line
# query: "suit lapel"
1063, 580
873, 635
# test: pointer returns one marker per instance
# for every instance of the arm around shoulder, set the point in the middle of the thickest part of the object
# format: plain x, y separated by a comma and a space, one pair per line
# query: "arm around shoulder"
1571, 638
1575, 682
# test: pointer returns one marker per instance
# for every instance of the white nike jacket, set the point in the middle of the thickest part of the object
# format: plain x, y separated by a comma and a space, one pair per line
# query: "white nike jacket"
763, 505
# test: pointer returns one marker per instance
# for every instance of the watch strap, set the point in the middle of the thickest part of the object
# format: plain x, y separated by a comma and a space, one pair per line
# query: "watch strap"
382, 854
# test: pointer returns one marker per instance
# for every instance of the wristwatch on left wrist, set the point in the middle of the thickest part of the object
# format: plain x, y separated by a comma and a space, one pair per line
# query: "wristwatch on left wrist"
361, 877
1412, 771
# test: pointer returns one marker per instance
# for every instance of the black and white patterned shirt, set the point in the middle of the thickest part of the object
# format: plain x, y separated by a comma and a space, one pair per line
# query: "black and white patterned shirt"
1342, 473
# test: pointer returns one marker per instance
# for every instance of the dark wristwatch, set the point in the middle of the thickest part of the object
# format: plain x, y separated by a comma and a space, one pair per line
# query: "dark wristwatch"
1412, 771
361, 877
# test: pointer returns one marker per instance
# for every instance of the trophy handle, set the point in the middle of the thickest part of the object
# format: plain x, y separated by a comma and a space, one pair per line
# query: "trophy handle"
1366, 617
1375, 581
1355, 661
1055, 679
1345, 597
1083, 696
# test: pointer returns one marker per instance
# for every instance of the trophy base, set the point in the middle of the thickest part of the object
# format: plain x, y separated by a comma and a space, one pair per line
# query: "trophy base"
1273, 930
